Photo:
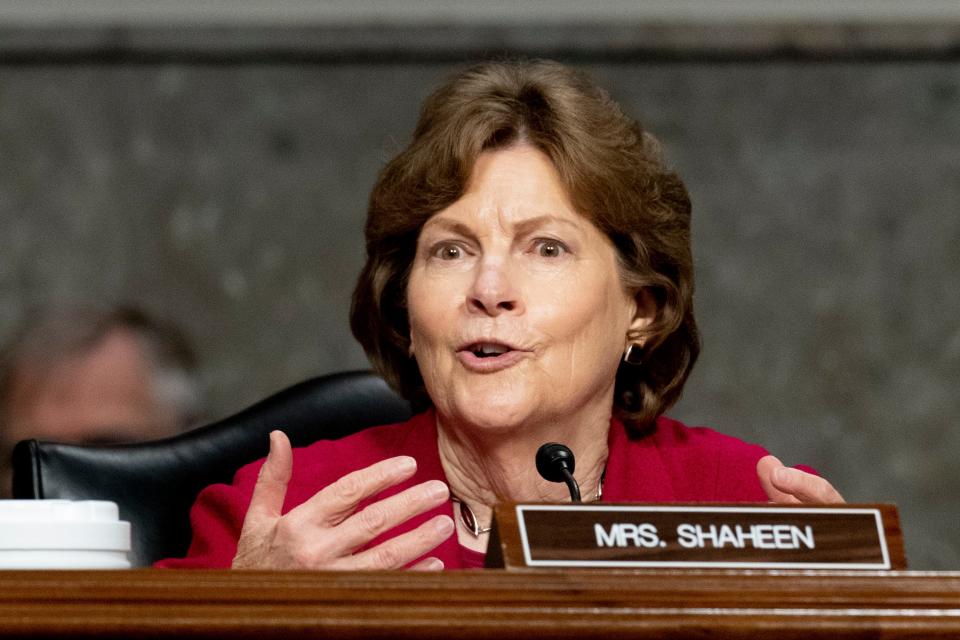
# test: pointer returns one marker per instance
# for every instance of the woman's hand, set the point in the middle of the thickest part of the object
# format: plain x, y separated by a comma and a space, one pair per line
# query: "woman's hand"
785, 485
324, 531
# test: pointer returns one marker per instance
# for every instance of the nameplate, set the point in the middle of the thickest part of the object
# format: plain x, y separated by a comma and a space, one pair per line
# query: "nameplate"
697, 536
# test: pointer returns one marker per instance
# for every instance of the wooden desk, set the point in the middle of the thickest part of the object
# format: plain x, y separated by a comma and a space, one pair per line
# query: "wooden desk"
480, 604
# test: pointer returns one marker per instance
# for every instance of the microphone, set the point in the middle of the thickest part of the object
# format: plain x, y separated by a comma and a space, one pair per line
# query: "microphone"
555, 463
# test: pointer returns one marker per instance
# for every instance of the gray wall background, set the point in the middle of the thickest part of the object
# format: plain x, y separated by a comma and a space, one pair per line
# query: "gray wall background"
219, 177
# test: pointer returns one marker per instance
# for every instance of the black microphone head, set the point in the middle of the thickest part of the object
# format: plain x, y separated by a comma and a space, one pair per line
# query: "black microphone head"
552, 459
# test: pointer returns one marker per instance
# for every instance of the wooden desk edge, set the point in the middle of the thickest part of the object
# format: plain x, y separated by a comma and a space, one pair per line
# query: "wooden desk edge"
479, 604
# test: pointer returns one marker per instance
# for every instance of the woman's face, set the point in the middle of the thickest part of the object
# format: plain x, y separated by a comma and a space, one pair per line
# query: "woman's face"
517, 312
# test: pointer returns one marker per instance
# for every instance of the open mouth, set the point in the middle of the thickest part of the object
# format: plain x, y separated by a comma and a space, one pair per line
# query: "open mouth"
488, 349
486, 356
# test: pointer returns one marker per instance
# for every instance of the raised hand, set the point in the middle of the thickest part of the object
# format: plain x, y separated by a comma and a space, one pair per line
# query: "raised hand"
785, 485
326, 530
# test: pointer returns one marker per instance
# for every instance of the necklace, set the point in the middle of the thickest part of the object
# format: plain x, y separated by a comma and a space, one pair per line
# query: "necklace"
469, 519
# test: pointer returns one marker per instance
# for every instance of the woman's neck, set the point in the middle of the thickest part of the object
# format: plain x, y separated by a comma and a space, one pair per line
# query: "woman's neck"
484, 469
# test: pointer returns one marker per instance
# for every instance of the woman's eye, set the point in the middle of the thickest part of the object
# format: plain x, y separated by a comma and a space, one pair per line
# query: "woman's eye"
550, 248
448, 252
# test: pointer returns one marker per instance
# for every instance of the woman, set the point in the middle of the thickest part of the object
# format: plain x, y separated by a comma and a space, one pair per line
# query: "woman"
528, 279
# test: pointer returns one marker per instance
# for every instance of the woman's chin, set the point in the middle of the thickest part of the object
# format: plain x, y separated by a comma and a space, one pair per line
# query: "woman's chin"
492, 412
494, 403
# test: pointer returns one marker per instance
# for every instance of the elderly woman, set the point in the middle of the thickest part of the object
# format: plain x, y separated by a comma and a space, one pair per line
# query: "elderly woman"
528, 279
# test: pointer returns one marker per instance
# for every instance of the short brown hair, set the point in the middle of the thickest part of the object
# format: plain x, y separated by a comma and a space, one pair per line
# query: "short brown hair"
614, 175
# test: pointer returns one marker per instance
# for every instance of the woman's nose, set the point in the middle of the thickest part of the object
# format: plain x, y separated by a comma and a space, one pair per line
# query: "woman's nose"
494, 289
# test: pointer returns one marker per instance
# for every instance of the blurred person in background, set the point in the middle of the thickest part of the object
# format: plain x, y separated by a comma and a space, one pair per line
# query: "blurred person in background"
88, 375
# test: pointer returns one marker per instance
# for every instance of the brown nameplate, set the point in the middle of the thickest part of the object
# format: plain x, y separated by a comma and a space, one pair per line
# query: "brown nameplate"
696, 536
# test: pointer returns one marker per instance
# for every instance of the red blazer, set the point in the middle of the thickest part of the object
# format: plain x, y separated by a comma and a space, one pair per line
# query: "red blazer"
675, 463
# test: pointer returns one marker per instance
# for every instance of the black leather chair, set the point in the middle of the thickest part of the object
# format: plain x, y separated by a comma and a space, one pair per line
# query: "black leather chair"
154, 483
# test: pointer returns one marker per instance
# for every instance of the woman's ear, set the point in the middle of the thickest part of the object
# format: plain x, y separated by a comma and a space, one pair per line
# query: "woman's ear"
644, 315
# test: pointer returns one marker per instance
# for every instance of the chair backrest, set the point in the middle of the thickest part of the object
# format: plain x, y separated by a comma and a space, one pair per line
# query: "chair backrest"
155, 483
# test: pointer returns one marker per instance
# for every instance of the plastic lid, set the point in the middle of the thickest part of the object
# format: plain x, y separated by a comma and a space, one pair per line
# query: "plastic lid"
62, 524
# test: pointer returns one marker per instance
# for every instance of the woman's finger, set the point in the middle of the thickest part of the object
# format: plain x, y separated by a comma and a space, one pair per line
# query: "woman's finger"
364, 526
765, 469
786, 485
806, 487
398, 552
334, 503
428, 564
266, 503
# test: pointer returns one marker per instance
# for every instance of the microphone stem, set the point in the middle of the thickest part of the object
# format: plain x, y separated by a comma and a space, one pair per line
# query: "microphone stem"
571, 485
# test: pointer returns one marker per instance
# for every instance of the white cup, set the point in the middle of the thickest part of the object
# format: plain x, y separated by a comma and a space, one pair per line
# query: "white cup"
62, 534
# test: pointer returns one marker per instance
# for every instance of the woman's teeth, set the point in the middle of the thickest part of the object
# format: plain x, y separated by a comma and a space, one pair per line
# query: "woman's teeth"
489, 350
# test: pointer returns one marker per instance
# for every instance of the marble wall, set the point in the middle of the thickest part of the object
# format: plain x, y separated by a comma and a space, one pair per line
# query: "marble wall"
229, 196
